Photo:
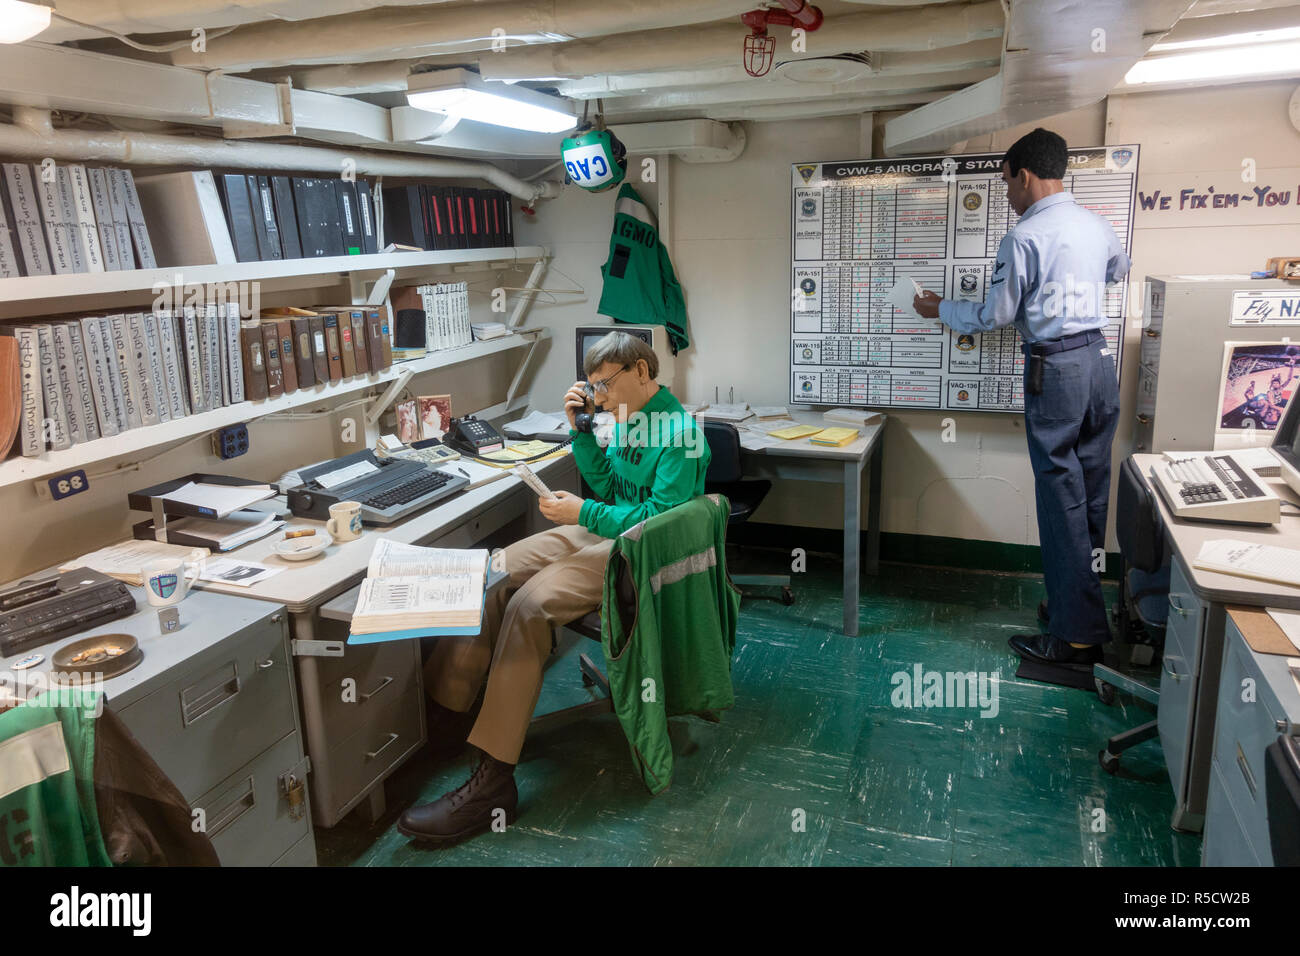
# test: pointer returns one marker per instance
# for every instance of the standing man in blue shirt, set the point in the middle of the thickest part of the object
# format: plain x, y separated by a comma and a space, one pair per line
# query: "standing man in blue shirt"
1049, 279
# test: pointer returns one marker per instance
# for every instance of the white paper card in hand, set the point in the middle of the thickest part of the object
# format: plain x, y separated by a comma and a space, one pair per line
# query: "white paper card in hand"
902, 294
532, 481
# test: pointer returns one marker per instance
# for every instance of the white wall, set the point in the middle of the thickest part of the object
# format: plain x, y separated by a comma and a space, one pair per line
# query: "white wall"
729, 238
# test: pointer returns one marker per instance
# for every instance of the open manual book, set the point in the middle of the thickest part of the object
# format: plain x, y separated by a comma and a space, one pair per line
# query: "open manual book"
419, 592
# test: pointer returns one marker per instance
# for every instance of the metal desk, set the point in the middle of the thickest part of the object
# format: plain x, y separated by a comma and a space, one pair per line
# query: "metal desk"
1194, 641
214, 704
804, 461
355, 744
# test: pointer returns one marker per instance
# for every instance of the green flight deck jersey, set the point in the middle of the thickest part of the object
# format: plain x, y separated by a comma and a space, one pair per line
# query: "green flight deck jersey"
655, 461
640, 286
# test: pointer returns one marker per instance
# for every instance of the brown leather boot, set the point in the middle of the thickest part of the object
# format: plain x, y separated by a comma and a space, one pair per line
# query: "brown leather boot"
488, 796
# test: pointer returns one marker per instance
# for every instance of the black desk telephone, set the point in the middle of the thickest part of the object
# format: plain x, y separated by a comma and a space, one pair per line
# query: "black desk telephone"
472, 436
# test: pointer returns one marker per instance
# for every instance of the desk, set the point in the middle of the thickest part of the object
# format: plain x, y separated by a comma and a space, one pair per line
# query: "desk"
357, 742
1194, 641
802, 460
1236, 810
214, 705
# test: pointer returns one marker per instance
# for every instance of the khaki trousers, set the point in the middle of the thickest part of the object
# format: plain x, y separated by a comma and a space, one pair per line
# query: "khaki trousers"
556, 576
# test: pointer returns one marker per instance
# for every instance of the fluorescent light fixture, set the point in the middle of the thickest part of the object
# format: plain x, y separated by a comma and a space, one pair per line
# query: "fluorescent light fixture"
21, 21
1231, 39
466, 95
1256, 60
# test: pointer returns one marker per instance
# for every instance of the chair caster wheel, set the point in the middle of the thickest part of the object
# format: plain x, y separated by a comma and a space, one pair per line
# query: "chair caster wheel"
1109, 761
787, 597
1105, 692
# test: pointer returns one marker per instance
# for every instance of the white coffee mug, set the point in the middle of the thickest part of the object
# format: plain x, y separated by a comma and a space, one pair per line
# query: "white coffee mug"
345, 521
167, 581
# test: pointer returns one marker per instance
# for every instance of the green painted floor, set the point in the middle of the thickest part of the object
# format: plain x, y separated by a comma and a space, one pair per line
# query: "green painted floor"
815, 766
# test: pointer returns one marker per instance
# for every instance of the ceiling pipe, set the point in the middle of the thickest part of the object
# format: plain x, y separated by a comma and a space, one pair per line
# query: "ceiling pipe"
32, 137
395, 33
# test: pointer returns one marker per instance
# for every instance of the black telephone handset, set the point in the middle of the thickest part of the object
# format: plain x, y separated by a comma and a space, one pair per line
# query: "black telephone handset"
471, 436
584, 420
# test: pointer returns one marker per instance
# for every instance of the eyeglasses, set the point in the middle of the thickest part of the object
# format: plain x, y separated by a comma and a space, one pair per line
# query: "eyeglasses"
602, 387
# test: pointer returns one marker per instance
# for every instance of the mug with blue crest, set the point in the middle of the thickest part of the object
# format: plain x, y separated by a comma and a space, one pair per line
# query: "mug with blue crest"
167, 580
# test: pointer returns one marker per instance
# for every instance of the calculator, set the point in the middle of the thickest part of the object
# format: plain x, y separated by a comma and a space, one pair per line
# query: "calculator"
431, 452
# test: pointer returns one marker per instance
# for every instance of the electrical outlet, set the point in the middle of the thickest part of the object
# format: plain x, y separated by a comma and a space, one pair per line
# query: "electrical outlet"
230, 442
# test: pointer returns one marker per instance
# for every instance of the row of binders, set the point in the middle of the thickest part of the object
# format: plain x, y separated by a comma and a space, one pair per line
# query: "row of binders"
282, 217
447, 217
59, 219
446, 315
288, 348
83, 379
99, 376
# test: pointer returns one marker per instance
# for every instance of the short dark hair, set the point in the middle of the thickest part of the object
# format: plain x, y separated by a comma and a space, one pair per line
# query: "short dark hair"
1042, 152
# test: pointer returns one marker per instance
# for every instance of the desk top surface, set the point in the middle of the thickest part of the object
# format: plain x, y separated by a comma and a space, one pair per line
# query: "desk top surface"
1188, 536
303, 583
206, 620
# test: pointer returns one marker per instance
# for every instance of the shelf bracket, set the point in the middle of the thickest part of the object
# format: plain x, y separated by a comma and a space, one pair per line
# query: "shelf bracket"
526, 296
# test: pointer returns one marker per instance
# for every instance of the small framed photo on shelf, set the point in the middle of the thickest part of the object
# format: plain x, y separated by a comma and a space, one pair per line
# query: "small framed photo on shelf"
435, 415
408, 422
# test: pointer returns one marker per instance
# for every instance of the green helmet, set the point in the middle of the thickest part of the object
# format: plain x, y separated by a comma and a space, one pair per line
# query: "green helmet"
594, 159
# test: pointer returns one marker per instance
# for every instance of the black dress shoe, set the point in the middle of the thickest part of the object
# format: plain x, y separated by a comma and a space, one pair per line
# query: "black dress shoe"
1043, 617
1045, 649
471, 808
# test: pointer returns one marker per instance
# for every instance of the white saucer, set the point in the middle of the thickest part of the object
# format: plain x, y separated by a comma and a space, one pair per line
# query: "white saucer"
300, 549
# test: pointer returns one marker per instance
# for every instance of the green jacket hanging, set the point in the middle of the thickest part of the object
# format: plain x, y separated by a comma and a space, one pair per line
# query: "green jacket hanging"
640, 286
669, 651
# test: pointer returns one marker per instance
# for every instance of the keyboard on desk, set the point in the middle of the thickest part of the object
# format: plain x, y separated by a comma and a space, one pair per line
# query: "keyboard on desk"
389, 489
1215, 488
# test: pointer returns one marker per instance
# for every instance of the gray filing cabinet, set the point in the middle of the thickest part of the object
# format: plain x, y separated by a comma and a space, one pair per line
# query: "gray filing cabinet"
1256, 694
1186, 321
1189, 683
356, 744
214, 704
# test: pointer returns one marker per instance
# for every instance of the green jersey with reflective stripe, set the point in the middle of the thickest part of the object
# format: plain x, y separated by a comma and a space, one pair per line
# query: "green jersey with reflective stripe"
640, 286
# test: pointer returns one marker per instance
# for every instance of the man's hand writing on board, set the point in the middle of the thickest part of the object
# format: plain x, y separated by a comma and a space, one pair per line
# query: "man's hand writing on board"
927, 305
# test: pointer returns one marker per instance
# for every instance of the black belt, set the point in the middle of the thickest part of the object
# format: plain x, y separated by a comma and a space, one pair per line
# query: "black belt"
1063, 344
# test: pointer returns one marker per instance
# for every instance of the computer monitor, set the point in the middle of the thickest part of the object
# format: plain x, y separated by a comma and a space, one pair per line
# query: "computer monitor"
656, 336
1284, 443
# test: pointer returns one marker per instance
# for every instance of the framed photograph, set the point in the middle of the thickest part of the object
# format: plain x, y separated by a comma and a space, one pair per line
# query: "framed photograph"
408, 422
435, 415
1258, 380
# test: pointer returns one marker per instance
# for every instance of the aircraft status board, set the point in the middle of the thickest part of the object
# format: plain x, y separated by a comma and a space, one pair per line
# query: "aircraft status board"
859, 226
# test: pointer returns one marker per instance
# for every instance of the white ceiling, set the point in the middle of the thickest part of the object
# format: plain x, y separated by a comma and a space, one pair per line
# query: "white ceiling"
674, 59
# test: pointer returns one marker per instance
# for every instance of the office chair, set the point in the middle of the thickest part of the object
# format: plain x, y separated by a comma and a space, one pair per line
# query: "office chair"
588, 626
724, 477
1282, 799
1142, 549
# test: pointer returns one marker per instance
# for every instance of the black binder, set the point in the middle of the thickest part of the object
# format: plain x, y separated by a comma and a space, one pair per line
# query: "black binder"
318, 217
403, 218
345, 197
268, 233
366, 212
282, 193
239, 215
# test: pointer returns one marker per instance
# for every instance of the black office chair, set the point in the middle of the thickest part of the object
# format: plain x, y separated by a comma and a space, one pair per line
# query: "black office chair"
724, 477
588, 626
1282, 799
1142, 547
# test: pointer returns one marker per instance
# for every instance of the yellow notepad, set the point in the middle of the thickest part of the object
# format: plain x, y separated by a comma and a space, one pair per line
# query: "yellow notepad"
523, 449
795, 431
834, 437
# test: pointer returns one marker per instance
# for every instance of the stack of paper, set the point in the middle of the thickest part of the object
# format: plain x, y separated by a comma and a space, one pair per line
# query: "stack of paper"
220, 499
1244, 559
538, 423
834, 437
228, 533
857, 417
767, 413
795, 431
727, 413
489, 330
124, 561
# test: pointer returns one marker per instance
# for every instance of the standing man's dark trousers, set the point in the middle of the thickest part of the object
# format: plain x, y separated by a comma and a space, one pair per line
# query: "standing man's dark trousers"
1070, 426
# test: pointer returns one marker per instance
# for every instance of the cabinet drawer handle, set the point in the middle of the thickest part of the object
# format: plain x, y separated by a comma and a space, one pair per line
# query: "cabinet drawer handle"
233, 811
388, 743
1144, 419
1168, 666
263, 665
382, 684
1175, 605
1245, 770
